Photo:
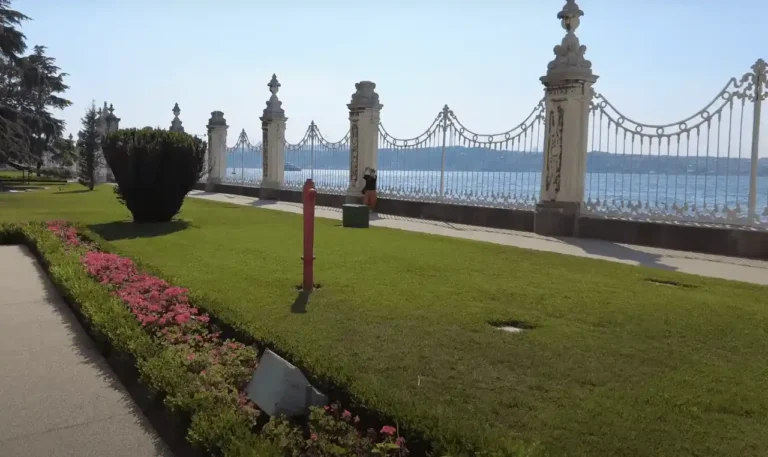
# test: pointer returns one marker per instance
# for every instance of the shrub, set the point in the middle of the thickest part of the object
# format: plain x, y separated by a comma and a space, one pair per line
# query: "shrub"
154, 170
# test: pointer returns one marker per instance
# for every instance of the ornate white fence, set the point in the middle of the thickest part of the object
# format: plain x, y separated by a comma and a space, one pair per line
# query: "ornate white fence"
450, 163
327, 163
704, 168
244, 162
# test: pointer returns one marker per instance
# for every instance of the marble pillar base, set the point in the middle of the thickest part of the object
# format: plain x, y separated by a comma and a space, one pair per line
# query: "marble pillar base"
556, 218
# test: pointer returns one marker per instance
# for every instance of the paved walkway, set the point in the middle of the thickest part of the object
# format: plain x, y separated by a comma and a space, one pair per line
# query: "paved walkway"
754, 271
58, 396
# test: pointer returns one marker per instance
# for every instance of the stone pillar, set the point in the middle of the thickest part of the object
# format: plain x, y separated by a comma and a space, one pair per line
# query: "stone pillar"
112, 124
568, 89
364, 115
216, 165
112, 121
101, 173
273, 144
176, 122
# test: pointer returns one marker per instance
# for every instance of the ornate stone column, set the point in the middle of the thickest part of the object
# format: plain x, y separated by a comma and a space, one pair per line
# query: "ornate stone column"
101, 173
112, 121
176, 122
111, 124
273, 144
364, 115
216, 165
568, 87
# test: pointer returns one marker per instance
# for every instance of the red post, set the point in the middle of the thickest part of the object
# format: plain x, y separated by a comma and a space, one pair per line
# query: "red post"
309, 197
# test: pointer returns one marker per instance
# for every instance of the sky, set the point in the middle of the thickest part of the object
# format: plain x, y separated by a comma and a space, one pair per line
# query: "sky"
658, 60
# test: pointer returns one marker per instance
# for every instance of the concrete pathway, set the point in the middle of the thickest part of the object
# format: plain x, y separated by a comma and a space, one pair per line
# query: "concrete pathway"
754, 271
58, 396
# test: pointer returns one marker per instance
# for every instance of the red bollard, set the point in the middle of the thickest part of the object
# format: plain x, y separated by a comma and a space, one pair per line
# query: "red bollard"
309, 195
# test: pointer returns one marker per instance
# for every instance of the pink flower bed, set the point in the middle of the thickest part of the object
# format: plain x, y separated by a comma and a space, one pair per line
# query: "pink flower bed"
223, 367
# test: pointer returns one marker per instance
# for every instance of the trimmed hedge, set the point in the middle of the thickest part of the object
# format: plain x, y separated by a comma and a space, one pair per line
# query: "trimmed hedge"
154, 170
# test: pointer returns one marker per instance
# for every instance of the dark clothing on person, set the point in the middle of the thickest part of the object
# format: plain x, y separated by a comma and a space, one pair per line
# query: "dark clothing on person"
370, 183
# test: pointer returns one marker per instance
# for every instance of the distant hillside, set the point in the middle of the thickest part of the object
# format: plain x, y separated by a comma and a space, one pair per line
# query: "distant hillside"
481, 159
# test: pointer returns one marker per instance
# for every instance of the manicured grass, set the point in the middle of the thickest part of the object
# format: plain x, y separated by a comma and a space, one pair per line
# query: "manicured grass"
615, 366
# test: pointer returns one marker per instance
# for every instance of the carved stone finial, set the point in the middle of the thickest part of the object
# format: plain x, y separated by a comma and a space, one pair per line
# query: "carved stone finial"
274, 84
176, 122
217, 119
569, 63
109, 113
365, 96
274, 109
569, 16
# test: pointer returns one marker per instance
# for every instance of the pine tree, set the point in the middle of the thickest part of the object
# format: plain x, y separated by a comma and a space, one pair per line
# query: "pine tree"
88, 140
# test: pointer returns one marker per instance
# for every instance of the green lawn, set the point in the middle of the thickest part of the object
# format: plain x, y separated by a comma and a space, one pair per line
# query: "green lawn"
615, 366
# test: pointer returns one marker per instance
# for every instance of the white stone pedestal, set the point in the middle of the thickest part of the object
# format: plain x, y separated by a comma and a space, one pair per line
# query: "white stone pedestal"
216, 165
568, 84
273, 144
364, 116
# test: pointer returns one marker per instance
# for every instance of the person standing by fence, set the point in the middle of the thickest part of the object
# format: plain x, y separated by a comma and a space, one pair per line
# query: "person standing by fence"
369, 191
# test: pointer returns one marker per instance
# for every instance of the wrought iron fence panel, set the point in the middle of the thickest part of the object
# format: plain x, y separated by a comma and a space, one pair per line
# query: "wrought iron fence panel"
406, 170
450, 163
244, 162
299, 160
703, 168
327, 163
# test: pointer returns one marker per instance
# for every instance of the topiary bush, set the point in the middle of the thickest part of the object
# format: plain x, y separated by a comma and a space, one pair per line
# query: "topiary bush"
154, 170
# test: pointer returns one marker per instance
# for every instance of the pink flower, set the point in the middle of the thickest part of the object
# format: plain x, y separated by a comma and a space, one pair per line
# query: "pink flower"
388, 430
314, 437
400, 441
190, 356
346, 414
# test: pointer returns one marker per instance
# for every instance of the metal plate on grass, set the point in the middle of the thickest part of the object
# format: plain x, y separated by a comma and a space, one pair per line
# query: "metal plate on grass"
281, 389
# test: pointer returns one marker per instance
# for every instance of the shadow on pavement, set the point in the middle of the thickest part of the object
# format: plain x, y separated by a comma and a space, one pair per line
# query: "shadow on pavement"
618, 252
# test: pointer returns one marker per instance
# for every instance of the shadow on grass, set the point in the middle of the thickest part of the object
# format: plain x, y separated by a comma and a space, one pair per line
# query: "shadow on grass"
300, 304
75, 191
126, 230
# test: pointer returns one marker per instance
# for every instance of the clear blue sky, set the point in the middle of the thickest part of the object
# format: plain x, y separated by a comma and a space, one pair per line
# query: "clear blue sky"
658, 60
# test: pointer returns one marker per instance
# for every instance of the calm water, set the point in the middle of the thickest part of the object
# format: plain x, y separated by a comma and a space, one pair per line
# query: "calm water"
653, 189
